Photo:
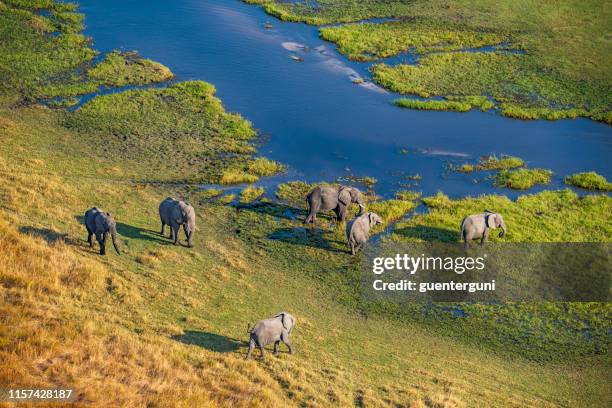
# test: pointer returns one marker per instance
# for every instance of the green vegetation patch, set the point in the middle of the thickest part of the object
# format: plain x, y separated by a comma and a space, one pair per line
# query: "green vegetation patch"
294, 193
492, 163
250, 194
264, 167
367, 42
31, 61
457, 104
522, 179
589, 180
128, 68
184, 123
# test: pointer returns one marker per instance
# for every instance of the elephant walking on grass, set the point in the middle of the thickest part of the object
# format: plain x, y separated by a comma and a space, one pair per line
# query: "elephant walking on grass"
358, 230
477, 226
176, 213
269, 331
101, 224
337, 198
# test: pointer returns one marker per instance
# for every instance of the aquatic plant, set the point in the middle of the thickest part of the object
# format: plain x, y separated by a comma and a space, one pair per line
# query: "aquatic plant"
589, 180
250, 194
492, 163
522, 179
264, 167
128, 68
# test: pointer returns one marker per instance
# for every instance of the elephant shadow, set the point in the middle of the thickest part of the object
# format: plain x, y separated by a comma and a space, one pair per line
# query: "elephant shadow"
305, 236
209, 341
48, 235
130, 231
275, 209
430, 234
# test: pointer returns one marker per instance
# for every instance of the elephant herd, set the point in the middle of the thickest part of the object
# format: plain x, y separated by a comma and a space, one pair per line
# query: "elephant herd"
177, 213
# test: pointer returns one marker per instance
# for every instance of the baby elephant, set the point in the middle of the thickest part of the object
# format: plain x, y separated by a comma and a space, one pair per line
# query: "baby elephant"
358, 230
174, 213
100, 223
272, 330
479, 225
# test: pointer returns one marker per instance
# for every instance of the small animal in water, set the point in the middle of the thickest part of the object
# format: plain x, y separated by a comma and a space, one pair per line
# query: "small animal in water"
477, 226
268, 25
272, 330
358, 230
100, 224
296, 58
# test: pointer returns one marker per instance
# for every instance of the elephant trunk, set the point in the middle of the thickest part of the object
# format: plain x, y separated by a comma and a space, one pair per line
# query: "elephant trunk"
503, 229
361, 209
114, 238
190, 230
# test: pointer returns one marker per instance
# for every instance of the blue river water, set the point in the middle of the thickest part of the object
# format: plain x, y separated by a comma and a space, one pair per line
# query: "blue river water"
313, 117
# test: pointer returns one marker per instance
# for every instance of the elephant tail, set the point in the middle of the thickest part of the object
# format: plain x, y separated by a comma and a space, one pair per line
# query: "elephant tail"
462, 230
114, 238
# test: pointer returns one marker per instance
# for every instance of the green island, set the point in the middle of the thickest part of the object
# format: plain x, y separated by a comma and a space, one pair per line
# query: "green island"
548, 61
589, 181
488, 163
522, 179
162, 323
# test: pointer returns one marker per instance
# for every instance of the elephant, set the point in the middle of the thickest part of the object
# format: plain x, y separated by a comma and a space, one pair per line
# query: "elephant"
337, 198
272, 330
358, 230
101, 224
479, 225
173, 212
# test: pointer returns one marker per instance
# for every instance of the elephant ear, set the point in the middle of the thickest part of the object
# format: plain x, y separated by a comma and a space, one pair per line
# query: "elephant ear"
492, 220
344, 196
282, 316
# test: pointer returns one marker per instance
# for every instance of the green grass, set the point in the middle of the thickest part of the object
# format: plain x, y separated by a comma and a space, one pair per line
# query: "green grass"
184, 123
589, 181
250, 194
562, 73
522, 179
264, 167
367, 42
128, 68
432, 105
492, 163
31, 61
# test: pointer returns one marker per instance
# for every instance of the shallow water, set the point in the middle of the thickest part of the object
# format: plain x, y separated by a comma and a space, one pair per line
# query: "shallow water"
312, 116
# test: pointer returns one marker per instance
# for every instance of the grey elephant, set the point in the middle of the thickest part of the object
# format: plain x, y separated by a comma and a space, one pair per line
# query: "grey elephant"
337, 198
101, 224
272, 330
175, 213
358, 230
478, 226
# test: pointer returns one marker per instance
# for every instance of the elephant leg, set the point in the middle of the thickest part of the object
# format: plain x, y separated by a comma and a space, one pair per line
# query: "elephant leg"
101, 238
263, 354
251, 348
175, 233
163, 228
90, 237
288, 344
313, 209
352, 245
276, 345
485, 234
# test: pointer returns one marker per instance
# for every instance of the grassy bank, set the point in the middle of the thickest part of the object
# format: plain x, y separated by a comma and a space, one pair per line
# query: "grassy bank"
560, 71
164, 325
